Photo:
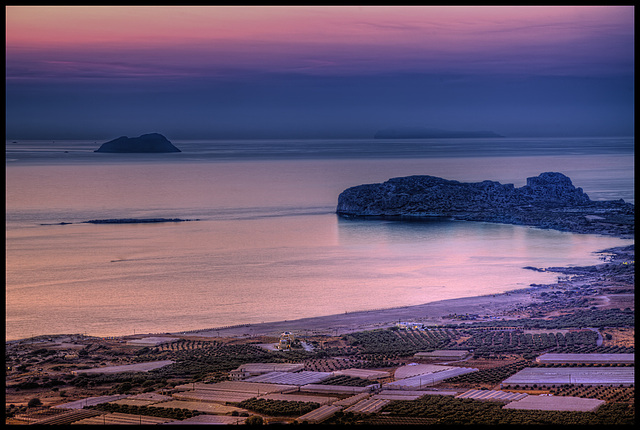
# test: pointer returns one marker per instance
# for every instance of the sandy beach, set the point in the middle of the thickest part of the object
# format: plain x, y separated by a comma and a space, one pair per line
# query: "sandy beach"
508, 305
428, 314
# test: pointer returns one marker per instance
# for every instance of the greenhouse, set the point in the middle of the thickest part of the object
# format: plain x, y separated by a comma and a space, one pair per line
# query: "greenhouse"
555, 376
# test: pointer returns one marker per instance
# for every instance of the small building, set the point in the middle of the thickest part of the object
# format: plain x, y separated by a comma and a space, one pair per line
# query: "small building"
286, 339
409, 325
444, 354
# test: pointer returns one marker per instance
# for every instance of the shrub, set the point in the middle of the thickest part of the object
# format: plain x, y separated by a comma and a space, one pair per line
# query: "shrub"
278, 407
34, 403
124, 387
254, 420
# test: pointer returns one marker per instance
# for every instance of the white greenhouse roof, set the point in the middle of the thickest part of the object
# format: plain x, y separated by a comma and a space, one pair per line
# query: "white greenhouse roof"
497, 395
270, 367
428, 379
414, 369
573, 375
586, 358
362, 373
555, 403
287, 378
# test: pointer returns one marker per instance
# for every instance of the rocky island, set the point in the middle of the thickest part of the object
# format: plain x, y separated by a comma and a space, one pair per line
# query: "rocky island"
135, 220
128, 221
549, 200
147, 143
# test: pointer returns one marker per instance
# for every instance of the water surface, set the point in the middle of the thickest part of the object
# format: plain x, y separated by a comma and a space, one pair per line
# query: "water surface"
267, 246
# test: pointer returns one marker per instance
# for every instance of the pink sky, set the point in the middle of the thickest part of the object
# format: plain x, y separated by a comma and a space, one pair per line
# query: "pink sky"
336, 39
452, 27
304, 56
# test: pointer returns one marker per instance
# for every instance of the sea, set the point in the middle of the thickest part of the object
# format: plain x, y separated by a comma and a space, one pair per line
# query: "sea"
263, 242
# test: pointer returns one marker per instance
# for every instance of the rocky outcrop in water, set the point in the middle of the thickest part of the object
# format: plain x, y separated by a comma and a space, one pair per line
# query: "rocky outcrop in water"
147, 143
549, 200
128, 221
135, 220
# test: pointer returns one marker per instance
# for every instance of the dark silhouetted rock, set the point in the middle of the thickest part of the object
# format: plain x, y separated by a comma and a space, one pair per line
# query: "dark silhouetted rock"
548, 201
135, 220
147, 143
128, 221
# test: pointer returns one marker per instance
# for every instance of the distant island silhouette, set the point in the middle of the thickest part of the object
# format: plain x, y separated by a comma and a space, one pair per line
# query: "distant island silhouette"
147, 143
429, 133
128, 221
135, 220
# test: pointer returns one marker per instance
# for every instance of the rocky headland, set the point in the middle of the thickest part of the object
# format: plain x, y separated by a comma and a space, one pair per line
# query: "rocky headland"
549, 200
147, 143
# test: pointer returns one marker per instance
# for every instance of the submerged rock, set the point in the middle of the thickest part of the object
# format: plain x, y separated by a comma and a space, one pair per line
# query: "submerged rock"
549, 200
147, 143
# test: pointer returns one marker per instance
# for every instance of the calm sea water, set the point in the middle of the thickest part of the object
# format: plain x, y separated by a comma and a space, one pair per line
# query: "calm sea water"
267, 245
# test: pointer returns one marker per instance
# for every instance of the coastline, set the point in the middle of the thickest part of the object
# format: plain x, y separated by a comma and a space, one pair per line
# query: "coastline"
508, 305
427, 313
432, 313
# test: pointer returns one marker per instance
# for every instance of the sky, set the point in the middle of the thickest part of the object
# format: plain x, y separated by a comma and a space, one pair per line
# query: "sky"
203, 72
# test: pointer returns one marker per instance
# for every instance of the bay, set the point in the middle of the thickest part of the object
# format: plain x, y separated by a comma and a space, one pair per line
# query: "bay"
267, 245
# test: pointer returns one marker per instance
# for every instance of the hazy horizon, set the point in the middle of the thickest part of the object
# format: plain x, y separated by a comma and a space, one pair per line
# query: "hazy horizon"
280, 72
104, 138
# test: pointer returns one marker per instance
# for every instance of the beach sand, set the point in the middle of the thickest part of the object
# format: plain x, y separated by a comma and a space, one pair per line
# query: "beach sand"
510, 305
428, 314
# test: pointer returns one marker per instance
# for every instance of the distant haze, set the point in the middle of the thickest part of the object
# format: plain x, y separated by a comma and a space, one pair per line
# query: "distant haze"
100, 72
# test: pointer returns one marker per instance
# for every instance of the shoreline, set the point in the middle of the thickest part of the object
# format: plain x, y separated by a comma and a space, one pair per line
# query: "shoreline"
431, 313
489, 307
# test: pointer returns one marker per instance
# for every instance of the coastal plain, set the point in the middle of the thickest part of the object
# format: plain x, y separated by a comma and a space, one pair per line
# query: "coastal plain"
61, 370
